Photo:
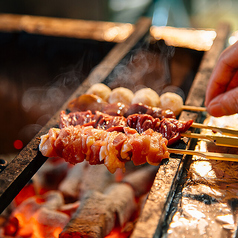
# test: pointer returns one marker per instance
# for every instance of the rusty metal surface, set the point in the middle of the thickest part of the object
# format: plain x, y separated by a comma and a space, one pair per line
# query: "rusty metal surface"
29, 160
160, 194
155, 217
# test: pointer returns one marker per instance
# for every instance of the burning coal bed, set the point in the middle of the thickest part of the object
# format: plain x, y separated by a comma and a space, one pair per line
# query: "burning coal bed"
62, 200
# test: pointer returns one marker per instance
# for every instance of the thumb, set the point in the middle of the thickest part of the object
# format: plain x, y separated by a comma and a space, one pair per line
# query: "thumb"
224, 104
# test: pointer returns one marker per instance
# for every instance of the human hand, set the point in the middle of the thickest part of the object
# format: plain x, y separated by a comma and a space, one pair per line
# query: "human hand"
222, 89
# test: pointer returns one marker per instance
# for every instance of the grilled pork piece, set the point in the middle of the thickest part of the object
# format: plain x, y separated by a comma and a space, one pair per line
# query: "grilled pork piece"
78, 143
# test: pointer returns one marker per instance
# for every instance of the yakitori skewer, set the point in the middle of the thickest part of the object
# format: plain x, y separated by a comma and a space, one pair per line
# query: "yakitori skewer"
207, 155
225, 131
218, 140
174, 102
193, 108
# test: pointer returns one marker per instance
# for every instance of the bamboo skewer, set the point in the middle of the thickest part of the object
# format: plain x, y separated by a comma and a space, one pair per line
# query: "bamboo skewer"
226, 131
193, 108
207, 155
218, 140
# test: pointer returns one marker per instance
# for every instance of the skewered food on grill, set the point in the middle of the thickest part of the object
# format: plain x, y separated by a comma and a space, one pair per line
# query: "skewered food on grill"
171, 101
78, 143
94, 103
101, 90
170, 128
98, 120
122, 95
146, 96
155, 112
87, 102
112, 134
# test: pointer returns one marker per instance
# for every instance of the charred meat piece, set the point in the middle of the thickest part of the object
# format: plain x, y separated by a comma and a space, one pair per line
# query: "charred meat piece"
155, 112
97, 120
115, 109
142, 122
87, 102
171, 129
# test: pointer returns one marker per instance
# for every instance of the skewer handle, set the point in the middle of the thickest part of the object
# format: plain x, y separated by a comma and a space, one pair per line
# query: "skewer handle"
193, 108
226, 131
207, 155
218, 140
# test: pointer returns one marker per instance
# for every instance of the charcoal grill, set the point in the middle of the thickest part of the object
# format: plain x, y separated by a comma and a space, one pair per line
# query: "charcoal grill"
157, 212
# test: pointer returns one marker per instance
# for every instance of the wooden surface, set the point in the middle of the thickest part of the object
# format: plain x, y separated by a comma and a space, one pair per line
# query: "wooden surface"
164, 196
29, 160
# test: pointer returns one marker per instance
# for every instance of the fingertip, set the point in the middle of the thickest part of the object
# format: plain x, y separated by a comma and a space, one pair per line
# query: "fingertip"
216, 110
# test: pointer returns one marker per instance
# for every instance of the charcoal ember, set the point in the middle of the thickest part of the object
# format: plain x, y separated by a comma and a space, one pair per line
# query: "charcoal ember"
122, 201
27, 191
24, 212
10, 227
49, 223
50, 200
53, 200
142, 179
71, 184
69, 208
98, 212
51, 173
27, 208
96, 178
94, 218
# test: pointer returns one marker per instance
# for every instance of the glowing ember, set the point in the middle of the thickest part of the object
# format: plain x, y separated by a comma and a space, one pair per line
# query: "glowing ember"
118, 233
27, 192
11, 228
40, 212
48, 223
